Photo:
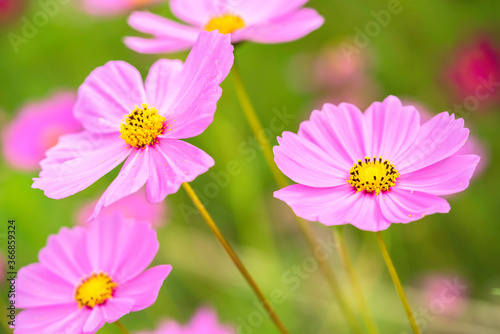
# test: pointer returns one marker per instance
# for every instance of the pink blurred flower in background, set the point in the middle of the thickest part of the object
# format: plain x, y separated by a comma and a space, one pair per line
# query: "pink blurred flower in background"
114, 7
134, 206
474, 72
373, 169
260, 21
37, 127
141, 124
444, 295
86, 277
11, 10
205, 321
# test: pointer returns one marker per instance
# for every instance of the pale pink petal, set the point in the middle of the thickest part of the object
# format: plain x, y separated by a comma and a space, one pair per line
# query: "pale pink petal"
94, 321
63, 319
196, 12
63, 254
390, 128
44, 121
37, 286
144, 288
286, 28
121, 247
89, 160
306, 163
161, 80
437, 139
109, 312
339, 131
445, 177
131, 178
108, 94
190, 105
259, 11
206, 321
404, 206
173, 36
173, 162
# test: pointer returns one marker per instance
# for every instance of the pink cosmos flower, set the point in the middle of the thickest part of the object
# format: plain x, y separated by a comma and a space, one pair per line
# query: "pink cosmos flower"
474, 72
203, 322
444, 295
44, 121
141, 124
134, 206
87, 277
114, 7
261, 21
373, 169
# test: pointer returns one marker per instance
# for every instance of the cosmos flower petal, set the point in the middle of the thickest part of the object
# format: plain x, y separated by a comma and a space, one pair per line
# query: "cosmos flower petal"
437, 139
121, 247
77, 162
306, 163
390, 127
339, 131
144, 288
117, 308
404, 206
113, 7
38, 286
445, 177
109, 92
206, 318
161, 79
192, 100
196, 12
51, 319
131, 178
258, 11
286, 28
310, 202
175, 36
173, 162
63, 255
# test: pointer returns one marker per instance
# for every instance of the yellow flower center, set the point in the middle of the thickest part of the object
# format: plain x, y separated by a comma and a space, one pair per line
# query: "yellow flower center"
226, 24
94, 290
373, 176
142, 126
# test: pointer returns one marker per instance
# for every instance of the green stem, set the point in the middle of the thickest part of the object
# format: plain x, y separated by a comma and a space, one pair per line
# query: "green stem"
265, 145
121, 327
356, 287
397, 284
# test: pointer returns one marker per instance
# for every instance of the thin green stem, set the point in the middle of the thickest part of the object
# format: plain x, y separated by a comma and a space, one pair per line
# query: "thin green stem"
121, 327
236, 260
265, 145
356, 287
397, 283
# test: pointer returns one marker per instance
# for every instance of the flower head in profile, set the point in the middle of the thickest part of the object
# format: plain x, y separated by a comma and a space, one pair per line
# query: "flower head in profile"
261, 21
114, 7
125, 120
203, 322
44, 121
373, 169
86, 277
134, 206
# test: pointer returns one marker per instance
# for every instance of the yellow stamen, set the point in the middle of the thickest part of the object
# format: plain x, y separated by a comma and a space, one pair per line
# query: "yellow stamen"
373, 176
226, 23
94, 290
142, 126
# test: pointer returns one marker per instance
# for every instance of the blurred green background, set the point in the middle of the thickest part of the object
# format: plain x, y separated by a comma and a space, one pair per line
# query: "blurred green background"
407, 58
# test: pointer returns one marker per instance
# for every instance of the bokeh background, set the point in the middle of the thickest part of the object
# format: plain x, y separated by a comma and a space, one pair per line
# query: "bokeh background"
432, 54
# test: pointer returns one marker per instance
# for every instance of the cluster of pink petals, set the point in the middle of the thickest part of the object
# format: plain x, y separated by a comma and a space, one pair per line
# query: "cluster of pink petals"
119, 247
114, 7
134, 206
320, 156
265, 22
37, 128
205, 321
185, 94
